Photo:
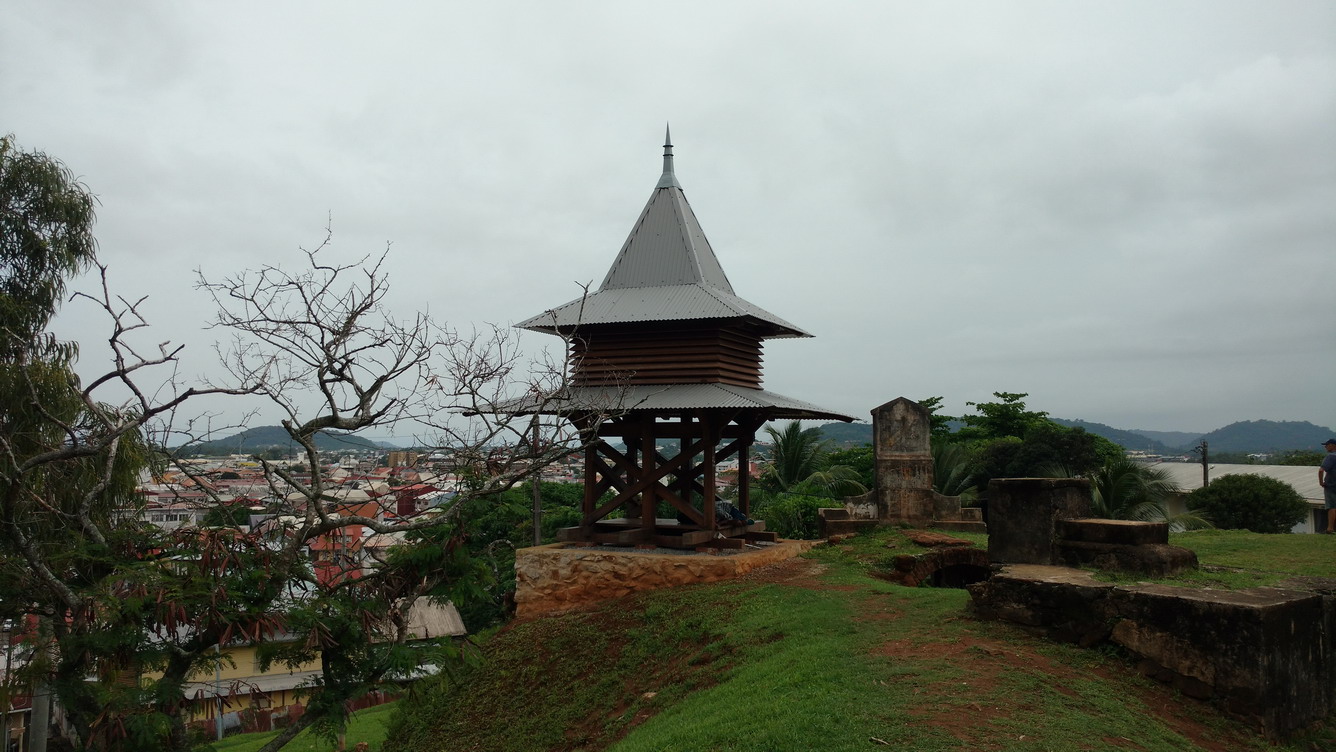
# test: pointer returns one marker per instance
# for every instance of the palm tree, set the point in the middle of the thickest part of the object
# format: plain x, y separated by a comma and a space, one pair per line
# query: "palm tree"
798, 465
1124, 489
953, 470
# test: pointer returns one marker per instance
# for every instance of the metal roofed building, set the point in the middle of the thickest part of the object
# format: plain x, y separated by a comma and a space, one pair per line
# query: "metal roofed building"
665, 349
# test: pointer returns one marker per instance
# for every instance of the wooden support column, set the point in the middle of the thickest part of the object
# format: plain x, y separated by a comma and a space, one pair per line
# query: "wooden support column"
649, 496
590, 489
710, 431
744, 477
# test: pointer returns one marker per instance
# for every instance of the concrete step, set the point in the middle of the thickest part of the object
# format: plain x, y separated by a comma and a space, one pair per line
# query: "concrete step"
1119, 532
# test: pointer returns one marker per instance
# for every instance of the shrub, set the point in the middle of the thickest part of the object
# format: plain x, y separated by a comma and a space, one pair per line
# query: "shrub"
792, 515
1249, 502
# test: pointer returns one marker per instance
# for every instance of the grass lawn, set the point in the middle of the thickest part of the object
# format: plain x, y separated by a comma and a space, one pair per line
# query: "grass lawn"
817, 653
364, 726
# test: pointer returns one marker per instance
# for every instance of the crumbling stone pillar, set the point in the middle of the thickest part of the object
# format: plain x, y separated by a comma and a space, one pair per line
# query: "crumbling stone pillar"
902, 457
1024, 515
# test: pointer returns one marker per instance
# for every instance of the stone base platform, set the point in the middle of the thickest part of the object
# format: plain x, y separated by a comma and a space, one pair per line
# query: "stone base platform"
1264, 655
559, 577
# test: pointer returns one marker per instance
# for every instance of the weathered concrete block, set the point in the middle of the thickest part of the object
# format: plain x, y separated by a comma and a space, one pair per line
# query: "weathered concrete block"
1264, 655
1125, 532
1261, 653
1152, 559
1064, 604
1023, 516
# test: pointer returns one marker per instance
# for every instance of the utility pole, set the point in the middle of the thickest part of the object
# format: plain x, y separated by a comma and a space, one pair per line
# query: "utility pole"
1205, 463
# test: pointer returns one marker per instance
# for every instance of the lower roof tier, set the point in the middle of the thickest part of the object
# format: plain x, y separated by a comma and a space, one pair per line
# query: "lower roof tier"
674, 398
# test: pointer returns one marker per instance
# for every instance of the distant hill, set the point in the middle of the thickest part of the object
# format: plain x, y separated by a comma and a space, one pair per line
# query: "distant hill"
1124, 439
1244, 436
1173, 439
1267, 435
260, 438
847, 434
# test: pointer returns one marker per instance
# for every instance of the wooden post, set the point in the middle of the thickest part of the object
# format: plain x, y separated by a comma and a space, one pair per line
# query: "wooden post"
648, 498
591, 483
710, 431
744, 477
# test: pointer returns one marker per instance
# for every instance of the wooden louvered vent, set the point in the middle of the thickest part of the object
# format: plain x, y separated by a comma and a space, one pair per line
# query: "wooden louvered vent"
682, 355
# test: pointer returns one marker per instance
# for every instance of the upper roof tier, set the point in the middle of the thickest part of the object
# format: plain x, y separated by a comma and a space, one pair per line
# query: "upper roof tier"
666, 271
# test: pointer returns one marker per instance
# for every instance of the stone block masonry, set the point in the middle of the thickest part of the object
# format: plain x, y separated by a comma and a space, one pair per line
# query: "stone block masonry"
1264, 655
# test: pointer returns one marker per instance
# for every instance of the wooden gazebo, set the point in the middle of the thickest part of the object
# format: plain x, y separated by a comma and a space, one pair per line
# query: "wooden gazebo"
676, 354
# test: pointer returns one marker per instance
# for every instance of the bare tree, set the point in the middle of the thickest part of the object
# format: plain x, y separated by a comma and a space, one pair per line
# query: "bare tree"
123, 599
335, 360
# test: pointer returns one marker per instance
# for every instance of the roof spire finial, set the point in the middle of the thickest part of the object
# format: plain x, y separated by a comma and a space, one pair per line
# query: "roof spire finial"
668, 180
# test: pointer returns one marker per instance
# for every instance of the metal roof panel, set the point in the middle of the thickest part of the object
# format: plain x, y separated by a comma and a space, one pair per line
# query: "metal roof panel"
662, 303
675, 397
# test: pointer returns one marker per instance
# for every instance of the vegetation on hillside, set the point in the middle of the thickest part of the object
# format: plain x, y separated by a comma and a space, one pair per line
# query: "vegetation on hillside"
815, 653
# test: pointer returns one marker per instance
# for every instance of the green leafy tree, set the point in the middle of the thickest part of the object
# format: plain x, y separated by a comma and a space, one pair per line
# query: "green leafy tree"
46, 236
1008, 416
940, 422
1249, 502
859, 459
1047, 450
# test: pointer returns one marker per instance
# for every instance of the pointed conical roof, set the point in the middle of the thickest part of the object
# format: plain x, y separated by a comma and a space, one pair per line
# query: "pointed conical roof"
666, 271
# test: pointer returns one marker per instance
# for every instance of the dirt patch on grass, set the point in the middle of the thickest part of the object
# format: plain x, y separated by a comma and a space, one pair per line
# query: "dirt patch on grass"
967, 707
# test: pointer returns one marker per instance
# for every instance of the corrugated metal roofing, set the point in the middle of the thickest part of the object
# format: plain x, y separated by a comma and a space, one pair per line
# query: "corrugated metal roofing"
674, 397
667, 303
665, 271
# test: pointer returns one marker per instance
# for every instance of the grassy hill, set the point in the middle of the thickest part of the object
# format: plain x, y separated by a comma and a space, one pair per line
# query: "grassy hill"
818, 653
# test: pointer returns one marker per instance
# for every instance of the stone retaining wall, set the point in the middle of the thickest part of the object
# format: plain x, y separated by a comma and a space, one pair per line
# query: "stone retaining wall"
558, 577
1264, 655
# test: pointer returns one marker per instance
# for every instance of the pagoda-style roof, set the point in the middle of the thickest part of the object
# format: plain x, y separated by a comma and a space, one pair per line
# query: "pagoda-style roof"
665, 334
672, 399
666, 271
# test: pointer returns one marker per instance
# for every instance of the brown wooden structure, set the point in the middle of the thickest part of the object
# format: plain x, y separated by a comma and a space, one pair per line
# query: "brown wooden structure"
668, 351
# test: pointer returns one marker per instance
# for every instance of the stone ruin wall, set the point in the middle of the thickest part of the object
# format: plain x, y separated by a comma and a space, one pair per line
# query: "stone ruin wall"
1264, 655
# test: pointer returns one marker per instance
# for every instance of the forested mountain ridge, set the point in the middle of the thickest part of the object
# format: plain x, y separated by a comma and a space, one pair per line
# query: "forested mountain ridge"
1243, 436
261, 438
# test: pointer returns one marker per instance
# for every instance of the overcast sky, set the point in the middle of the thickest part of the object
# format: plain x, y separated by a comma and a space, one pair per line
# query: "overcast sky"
1125, 209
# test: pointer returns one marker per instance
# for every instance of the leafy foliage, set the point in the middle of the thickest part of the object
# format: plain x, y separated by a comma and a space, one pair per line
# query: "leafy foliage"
793, 515
1127, 490
802, 479
1249, 502
953, 469
1007, 417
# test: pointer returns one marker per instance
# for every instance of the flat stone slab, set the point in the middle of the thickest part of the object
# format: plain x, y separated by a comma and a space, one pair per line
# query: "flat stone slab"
1051, 575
